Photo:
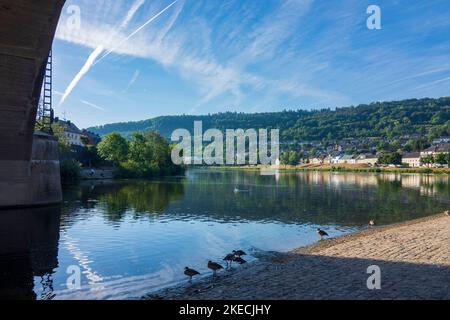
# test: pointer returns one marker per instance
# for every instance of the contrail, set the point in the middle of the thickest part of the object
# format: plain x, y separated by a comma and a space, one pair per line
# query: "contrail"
132, 81
134, 8
93, 56
89, 62
136, 31
92, 105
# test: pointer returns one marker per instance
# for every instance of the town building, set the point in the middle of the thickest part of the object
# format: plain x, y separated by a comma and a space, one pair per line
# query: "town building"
347, 159
92, 139
413, 159
434, 150
72, 133
441, 140
367, 159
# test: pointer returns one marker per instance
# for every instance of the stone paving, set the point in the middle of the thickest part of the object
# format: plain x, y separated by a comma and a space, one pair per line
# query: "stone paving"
414, 259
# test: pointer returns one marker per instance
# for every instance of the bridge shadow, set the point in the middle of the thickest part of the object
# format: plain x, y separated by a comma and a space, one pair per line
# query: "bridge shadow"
326, 277
310, 277
28, 252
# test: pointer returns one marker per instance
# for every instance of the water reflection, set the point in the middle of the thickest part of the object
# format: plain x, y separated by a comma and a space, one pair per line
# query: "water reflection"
28, 252
118, 199
131, 237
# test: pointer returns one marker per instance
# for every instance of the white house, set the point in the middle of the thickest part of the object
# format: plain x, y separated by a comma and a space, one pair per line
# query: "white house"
367, 159
347, 159
73, 134
412, 159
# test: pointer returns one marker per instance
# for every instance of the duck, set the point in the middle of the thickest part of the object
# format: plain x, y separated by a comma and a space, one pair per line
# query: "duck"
190, 273
229, 259
214, 266
447, 213
372, 223
236, 190
239, 253
322, 233
239, 260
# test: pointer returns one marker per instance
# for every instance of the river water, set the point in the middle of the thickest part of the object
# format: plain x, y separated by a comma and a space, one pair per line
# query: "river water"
129, 238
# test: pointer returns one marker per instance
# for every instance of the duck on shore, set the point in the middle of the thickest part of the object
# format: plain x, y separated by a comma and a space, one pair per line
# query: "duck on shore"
239, 260
214, 266
239, 253
372, 223
322, 233
447, 213
229, 259
190, 273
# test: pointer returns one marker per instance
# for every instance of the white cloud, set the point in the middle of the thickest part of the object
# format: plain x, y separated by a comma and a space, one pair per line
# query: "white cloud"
99, 49
189, 49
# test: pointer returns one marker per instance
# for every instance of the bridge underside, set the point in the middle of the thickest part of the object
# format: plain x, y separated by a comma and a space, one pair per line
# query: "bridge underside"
29, 175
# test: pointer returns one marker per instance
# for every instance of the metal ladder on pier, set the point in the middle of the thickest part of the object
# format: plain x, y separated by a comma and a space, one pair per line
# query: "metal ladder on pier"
45, 111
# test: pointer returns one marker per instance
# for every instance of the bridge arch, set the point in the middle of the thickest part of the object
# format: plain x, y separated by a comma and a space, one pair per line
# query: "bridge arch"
29, 165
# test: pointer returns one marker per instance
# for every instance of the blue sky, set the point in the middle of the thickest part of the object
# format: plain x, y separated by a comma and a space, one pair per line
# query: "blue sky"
208, 56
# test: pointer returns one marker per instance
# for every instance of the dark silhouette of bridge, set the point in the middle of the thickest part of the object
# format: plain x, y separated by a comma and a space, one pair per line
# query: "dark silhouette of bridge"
29, 164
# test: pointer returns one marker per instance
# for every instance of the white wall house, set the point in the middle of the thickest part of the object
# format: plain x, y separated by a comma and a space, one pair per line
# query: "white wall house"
412, 159
72, 133
367, 159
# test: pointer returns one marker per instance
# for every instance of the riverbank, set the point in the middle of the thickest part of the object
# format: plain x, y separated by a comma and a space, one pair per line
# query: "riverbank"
413, 258
337, 168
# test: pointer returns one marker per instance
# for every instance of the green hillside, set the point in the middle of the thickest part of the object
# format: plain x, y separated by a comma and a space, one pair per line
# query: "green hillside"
430, 117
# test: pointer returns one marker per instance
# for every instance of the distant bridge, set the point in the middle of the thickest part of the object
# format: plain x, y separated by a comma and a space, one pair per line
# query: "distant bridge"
29, 163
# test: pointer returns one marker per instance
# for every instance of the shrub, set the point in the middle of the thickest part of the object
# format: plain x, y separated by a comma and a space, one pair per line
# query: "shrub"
70, 170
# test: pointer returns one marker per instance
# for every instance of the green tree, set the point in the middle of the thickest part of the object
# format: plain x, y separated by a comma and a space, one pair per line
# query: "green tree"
113, 148
383, 146
427, 160
390, 158
441, 158
140, 150
149, 155
59, 132
284, 158
294, 158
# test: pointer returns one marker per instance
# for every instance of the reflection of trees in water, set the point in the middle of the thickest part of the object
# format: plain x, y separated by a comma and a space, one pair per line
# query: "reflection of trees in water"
308, 197
317, 197
142, 197
117, 199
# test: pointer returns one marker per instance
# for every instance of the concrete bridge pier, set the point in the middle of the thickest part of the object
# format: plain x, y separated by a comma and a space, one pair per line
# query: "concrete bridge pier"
29, 163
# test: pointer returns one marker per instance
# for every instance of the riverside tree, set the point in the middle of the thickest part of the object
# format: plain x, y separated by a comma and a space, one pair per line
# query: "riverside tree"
442, 159
390, 158
113, 148
145, 155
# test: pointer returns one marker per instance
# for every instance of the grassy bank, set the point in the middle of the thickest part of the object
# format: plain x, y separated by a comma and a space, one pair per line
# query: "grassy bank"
339, 168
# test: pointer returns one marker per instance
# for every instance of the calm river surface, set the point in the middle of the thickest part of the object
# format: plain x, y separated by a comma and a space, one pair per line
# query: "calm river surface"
129, 238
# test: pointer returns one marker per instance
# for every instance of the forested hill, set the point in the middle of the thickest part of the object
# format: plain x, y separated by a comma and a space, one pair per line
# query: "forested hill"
380, 119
